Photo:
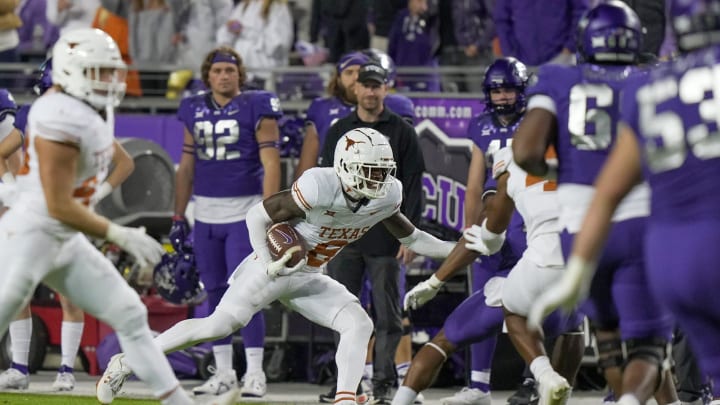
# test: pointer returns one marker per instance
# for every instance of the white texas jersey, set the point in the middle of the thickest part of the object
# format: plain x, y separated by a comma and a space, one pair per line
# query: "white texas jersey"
536, 200
330, 222
65, 119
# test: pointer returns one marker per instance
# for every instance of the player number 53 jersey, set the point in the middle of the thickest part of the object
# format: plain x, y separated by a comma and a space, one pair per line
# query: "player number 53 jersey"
330, 223
64, 119
536, 200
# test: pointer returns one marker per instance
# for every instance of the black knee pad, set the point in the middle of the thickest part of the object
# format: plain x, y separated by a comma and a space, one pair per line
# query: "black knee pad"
610, 353
651, 349
407, 330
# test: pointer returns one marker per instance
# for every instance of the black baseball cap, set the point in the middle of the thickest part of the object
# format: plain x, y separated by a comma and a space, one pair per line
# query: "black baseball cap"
372, 72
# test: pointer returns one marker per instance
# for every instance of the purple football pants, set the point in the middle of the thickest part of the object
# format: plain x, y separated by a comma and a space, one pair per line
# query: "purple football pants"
682, 264
620, 295
219, 249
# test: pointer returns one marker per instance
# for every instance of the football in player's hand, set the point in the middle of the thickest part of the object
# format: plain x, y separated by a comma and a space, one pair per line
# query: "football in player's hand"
283, 238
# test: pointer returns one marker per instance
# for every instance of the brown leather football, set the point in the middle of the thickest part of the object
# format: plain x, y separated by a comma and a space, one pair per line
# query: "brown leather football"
283, 238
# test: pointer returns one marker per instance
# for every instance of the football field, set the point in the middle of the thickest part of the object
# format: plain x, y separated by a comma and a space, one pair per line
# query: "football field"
137, 393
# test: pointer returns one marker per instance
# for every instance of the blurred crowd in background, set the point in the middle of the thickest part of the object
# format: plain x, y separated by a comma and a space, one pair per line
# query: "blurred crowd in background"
272, 34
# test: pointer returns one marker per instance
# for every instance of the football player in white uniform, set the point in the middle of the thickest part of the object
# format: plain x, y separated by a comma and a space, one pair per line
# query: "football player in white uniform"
329, 208
42, 237
541, 264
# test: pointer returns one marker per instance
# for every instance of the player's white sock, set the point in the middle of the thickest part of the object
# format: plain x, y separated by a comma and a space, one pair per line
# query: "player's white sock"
369, 370
71, 333
20, 333
177, 397
628, 399
254, 359
401, 370
539, 365
223, 357
404, 396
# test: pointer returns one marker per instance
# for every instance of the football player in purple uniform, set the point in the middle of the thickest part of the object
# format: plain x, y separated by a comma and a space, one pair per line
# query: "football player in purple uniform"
668, 135
230, 161
576, 109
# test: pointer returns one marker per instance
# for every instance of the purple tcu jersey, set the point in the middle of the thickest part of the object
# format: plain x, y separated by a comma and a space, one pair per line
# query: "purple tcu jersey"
674, 112
586, 101
227, 157
489, 135
324, 111
7, 104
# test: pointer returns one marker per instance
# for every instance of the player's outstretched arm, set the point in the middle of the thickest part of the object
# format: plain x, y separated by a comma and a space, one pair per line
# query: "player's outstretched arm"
416, 240
489, 238
621, 172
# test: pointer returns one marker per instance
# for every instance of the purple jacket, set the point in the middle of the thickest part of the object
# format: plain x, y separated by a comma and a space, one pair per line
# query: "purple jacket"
536, 31
32, 13
472, 22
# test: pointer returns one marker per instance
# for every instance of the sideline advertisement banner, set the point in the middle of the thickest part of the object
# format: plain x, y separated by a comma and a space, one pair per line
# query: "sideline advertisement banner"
451, 115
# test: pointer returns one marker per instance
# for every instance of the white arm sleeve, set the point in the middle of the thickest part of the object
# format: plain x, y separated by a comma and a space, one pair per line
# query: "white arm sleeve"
258, 221
425, 244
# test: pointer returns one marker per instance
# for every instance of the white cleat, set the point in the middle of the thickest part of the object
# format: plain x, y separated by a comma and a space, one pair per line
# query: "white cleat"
419, 399
553, 389
227, 398
112, 379
64, 382
14, 379
254, 385
220, 383
468, 396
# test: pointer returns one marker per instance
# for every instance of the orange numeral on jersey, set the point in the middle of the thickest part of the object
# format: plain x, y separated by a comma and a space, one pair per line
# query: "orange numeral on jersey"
86, 190
323, 252
548, 186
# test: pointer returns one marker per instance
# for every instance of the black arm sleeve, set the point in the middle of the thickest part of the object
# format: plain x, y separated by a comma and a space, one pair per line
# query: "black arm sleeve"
410, 172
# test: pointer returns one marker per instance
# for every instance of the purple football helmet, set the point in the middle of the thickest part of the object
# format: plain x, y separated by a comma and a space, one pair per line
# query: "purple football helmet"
384, 60
609, 33
44, 79
507, 73
176, 279
696, 23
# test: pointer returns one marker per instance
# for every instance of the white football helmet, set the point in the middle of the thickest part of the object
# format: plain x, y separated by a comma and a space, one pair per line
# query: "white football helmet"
364, 162
80, 57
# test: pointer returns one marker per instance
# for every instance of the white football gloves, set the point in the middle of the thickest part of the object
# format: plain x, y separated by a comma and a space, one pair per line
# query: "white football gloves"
277, 268
143, 247
571, 289
480, 239
422, 293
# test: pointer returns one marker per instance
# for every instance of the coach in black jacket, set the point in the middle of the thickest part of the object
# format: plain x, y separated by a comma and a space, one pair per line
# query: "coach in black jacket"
376, 253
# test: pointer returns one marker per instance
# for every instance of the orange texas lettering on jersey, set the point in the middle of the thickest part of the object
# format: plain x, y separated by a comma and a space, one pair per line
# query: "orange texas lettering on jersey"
342, 233
323, 252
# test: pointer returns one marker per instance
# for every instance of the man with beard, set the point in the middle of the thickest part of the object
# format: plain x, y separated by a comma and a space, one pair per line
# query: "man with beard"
341, 100
375, 254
